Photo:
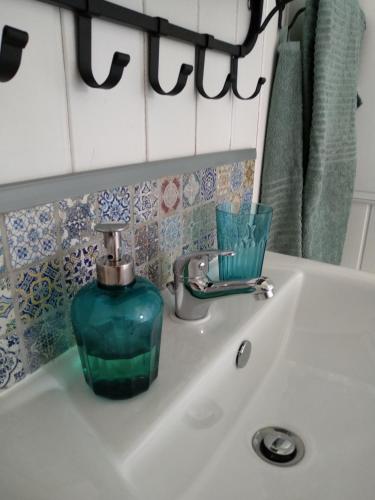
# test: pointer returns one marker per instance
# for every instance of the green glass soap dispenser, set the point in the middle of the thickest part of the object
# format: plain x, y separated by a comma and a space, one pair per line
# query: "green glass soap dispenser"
117, 323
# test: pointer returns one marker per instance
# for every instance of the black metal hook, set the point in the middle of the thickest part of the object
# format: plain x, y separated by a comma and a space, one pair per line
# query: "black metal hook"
234, 73
119, 61
12, 44
200, 58
153, 68
279, 8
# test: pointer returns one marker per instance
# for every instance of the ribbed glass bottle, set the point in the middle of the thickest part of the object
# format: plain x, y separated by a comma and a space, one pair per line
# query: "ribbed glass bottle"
118, 331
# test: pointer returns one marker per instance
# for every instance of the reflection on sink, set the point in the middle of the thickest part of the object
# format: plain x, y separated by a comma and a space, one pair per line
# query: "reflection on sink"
311, 370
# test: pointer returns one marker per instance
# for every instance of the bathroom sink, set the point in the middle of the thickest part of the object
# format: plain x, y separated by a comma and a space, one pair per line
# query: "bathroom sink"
311, 371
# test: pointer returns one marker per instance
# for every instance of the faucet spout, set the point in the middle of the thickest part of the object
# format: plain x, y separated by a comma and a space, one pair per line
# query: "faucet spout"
194, 290
258, 286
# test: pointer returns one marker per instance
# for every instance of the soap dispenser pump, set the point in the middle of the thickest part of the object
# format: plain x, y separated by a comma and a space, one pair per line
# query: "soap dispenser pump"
117, 322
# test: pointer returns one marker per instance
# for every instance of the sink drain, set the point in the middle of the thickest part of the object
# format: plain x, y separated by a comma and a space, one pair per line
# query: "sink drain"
278, 446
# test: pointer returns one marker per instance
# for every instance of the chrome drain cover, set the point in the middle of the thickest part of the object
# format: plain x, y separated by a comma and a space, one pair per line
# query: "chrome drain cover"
278, 446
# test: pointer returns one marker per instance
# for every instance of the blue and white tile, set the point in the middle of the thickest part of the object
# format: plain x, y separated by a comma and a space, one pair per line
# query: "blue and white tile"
208, 184
191, 189
11, 365
39, 290
208, 241
247, 197
7, 318
79, 268
171, 233
237, 176
32, 234
77, 220
45, 340
115, 205
145, 201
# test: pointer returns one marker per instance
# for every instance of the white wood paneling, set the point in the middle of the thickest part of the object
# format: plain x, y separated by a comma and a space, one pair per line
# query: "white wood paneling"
34, 139
107, 126
245, 113
52, 123
214, 117
368, 262
171, 119
268, 63
365, 180
356, 235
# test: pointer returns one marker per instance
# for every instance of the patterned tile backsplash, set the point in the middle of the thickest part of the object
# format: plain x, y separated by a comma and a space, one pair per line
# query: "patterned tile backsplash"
47, 253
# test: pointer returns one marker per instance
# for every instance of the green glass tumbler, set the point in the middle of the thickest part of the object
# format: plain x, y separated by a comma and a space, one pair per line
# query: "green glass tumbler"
243, 228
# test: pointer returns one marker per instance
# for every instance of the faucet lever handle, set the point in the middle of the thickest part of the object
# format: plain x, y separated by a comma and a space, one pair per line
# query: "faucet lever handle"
201, 258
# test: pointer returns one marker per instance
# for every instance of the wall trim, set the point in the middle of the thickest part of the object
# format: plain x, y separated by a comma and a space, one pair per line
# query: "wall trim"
38, 192
364, 196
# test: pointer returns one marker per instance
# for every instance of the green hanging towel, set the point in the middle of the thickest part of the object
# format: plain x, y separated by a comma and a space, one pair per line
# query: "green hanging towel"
282, 175
332, 40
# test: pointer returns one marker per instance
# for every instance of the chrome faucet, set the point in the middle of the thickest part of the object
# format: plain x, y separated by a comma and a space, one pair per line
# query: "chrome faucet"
194, 290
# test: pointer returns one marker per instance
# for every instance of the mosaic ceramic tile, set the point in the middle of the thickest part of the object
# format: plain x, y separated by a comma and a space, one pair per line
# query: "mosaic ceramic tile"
146, 201
208, 242
170, 194
115, 205
171, 233
154, 272
191, 223
2, 268
237, 176
191, 189
149, 271
166, 266
249, 174
223, 181
45, 340
208, 184
208, 217
191, 247
11, 366
7, 319
127, 242
79, 268
39, 290
247, 197
32, 234
146, 243
77, 220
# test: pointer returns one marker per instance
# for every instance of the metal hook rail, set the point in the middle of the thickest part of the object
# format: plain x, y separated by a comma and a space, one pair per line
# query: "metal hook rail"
86, 10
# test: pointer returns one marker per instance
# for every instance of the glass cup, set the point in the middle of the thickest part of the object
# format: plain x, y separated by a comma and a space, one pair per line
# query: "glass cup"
243, 228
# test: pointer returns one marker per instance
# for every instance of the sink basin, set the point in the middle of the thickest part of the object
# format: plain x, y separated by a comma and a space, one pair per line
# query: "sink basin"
311, 370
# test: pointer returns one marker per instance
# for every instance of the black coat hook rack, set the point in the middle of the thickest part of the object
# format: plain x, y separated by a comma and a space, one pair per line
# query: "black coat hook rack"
12, 44
14, 41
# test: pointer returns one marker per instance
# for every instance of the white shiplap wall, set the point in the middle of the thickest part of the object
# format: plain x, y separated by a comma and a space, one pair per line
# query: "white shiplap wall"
52, 123
359, 250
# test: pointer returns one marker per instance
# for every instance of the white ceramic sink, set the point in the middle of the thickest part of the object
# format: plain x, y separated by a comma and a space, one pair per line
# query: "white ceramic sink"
312, 371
